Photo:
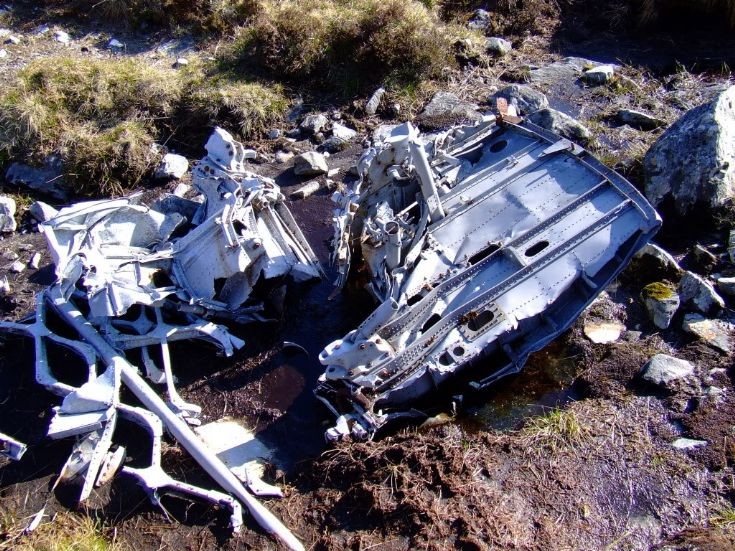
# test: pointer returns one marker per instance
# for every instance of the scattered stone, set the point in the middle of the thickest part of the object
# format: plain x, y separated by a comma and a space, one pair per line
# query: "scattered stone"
383, 132
282, 157
336, 115
310, 163
62, 36
639, 120
294, 133
394, 110
446, 108
115, 44
726, 285
313, 123
47, 179
17, 267
181, 189
693, 162
343, 132
371, 107
602, 332
660, 259
599, 75
662, 370
310, 188
687, 444
318, 138
479, 20
731, 246
562, 72
526, 99
274, 134
704, 259
699, 294
334, 144
12, 40
180, 62
296, 109
4, 286
35, 261
332, 172
716, 333
5, 32
3, 53
661, 302
172, 167
7, 214
558, 122
9, 255
498, 46
42, 212
632, 336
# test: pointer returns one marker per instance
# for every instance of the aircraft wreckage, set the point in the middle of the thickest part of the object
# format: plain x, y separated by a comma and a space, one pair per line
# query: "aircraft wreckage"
481, 244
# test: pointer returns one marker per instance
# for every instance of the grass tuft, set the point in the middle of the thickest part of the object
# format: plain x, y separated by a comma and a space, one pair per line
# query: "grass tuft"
557, 430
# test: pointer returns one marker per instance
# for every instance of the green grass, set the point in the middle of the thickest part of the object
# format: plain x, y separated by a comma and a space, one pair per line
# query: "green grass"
558, 429
724, 516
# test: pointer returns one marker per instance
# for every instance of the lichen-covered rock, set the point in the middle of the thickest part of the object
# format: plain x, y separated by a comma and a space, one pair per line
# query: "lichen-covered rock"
663, 370
599, 74
693, 162
560, 123
661, 302
498, 46
526, 99
638, 119
446, 108
699, 294
717, 333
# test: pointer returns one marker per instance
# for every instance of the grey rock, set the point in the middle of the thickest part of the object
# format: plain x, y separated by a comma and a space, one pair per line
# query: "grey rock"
62, 36
343, 132
564, 72
181, 189
731, 246
9, 255
172, 166
446, 108
693, 162
296, 109
599, 74
12, 39
308, 189
7, 214
274, 134
4, 286
715, 332
310, 163
283, 156
313, 123
180, 62
699, 294
498, 46
35, 261
479, 20
662, 258
560, 123
371, 107
115, 44
383, 132
42, 212
638, 119
47, 179
17, 267
3, 53
687, 444
661, 309
703, 257
294, 133
726, 285
526, 99
663, 370
334, 144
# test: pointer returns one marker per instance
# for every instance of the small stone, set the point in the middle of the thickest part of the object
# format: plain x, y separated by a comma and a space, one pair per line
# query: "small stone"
687, 444
294, 133
17, 267
47, 179
181, 189
717, 333
274, 134
62, 36
3, 53
705, 259
446, 108
562, 124
662, 370
639, 120
498, 46
599, 75
12, 39
42, 212
9, 255
394, 110
603, 332
343, 132
115, 44
7, 214
318, 138
526, 99
480, 19
310, 188
296, 109
181, 62
661, 302
310, 163
313, 123
35, 261
659, 259
699, 294
4, 286
4, 32
726, 285
283, 156
334, 144
371, 107
172, 166
731, 246
383, 132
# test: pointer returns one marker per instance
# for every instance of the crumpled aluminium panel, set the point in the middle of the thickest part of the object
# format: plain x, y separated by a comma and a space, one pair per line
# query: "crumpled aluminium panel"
487, 240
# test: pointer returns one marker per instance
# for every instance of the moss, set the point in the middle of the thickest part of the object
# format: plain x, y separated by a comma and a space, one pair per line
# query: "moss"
659, 290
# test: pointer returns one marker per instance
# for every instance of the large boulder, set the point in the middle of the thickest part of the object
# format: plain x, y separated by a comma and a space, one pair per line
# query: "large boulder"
445, 108
693, 162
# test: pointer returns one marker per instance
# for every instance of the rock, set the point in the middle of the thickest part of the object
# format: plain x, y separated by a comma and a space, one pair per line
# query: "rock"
47, 179
274, 134
294, 133
7, 214
562, 124
181, 190
371, 107
562, 72
498, 46
180, 62
313, 123
716, 333
62, 36
5, 32
115, 44
599, 75
383, 132
639, 120
3, 53
343, 132
172, 167
652, 257
310, 188
42, 212
4, 286
526, 99
731, 246
334, 144
687, 444
9, 255
282, 157
17, 267
12, 39
726, 285
693, 162
662, 370
296, 109
699, 294
661, 302
310, 163
479, 20
446, 108
703, 258
35, 261
601, 332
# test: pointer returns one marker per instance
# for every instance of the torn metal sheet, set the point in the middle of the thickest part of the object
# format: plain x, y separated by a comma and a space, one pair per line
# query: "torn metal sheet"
11, 448
487, 240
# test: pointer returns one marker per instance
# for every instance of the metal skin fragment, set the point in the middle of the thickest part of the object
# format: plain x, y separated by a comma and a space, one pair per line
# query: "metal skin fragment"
485, 241
11, 448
